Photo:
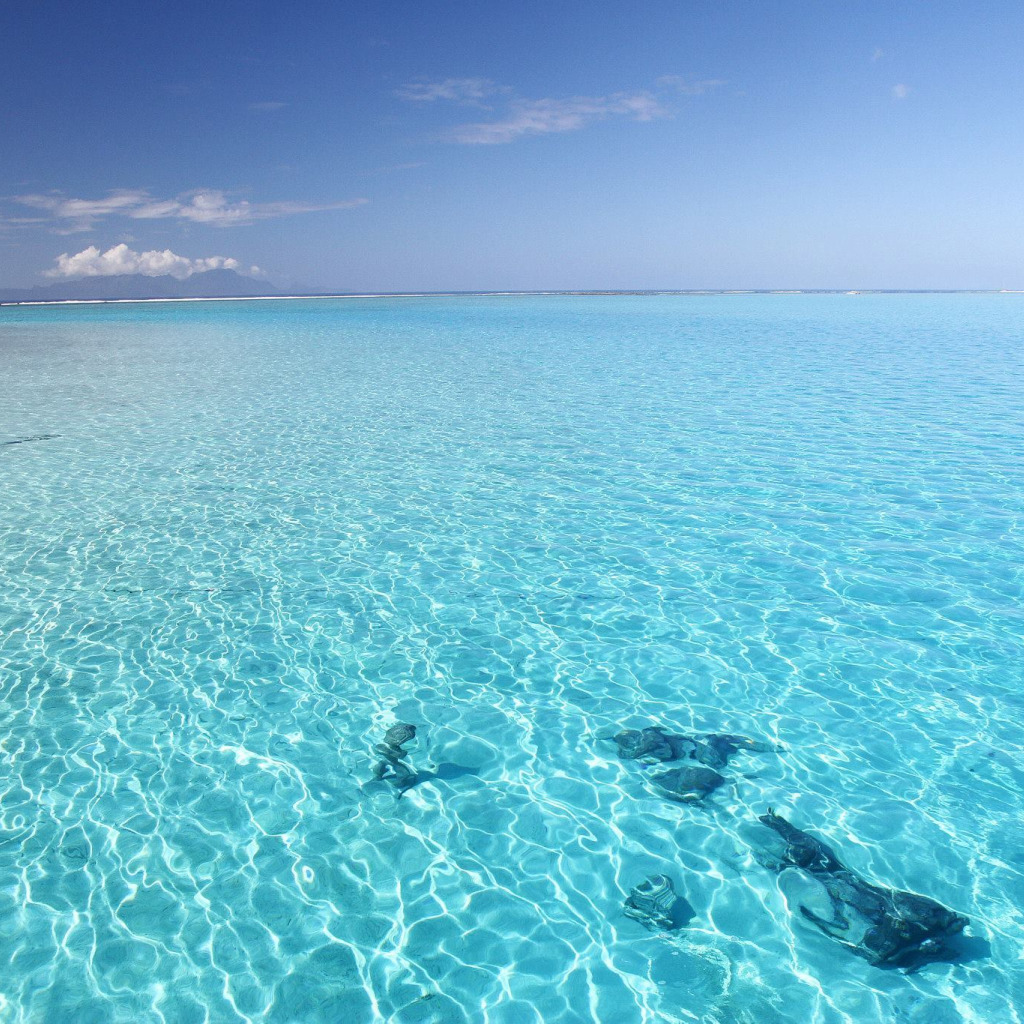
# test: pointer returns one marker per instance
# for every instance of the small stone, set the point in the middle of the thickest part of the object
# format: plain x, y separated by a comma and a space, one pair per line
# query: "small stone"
655, 905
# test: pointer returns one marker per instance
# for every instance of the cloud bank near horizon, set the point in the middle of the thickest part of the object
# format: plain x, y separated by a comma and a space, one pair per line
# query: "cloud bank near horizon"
200, 206
119, 259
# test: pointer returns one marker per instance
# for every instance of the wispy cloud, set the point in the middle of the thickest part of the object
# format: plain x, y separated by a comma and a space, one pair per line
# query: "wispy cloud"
542, 117
459, 90
201, 206
214, 207
690, 86
877, 55
120, 259
900, 91
392, 168
268, 105
522, 116
81, 214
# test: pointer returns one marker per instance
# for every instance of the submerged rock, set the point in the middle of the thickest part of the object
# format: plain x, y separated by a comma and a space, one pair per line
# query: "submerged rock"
393, 765
655, 905
399, 735
653, 745
28, 440
715, 749
888, 927
688, 785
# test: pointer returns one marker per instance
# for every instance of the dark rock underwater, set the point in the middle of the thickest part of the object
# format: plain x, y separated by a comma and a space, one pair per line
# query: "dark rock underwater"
888, 927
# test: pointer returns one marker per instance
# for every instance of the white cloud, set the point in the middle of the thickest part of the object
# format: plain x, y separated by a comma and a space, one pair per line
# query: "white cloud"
544, 116
268, 105
201, 206
120, 259
462, 90
901, 91
877, 55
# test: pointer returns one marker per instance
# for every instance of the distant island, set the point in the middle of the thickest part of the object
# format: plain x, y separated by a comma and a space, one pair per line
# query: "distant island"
209, 285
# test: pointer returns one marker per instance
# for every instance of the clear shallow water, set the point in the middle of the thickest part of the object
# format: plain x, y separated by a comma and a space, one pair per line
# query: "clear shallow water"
268, 531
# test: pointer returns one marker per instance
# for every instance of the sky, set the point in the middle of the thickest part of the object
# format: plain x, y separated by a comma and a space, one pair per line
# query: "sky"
421, 145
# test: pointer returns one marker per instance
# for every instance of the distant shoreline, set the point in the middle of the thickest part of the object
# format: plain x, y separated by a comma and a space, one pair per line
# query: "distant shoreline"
525, 294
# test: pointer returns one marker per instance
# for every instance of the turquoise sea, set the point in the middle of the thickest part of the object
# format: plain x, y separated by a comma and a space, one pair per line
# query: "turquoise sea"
239, 541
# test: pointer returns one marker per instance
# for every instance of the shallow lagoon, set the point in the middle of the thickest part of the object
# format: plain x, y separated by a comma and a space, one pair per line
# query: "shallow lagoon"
268, 531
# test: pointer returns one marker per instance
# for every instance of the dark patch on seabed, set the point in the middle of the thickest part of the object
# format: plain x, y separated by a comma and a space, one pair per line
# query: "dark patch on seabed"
693, 782
26, 440
394, 766
887, 927
653, 744
688, 785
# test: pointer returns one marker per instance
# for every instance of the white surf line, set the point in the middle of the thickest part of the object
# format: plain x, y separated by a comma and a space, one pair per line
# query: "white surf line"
484, 295
271, 298
234, 298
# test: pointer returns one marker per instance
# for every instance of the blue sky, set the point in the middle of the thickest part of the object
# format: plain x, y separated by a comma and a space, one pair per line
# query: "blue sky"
452, 145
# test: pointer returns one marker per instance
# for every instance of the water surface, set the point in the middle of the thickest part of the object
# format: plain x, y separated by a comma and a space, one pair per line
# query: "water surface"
246, 538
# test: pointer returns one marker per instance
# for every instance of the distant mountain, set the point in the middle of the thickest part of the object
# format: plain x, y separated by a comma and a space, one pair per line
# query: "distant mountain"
213, 284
